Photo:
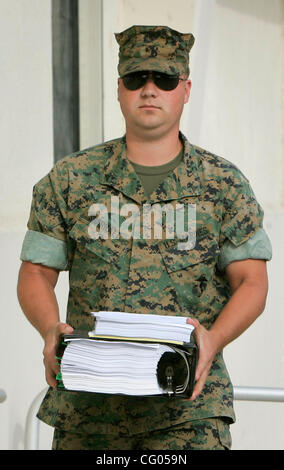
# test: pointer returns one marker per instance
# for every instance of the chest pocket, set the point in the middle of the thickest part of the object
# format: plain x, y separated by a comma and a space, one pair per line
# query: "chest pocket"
191, 271
206, 248
109, 250
99, 273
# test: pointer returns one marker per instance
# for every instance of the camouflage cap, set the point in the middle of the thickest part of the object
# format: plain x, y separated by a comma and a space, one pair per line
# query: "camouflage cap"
157, 48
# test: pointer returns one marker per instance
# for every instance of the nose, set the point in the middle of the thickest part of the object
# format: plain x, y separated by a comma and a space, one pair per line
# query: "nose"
149, 89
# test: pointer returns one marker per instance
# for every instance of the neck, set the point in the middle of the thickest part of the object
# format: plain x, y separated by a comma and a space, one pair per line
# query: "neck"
152, 152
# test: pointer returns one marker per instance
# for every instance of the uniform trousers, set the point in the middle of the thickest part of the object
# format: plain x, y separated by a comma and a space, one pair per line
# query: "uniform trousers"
204, 434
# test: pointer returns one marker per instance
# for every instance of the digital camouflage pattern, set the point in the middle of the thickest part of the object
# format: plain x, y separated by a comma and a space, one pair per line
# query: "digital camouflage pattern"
206, 434
143, 275
157, 48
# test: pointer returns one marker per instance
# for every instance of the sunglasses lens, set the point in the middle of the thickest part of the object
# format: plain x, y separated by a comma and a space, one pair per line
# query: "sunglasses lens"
135, 80
165, 82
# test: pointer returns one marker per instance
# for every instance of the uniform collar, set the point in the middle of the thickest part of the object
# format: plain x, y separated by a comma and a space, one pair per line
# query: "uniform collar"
184, 181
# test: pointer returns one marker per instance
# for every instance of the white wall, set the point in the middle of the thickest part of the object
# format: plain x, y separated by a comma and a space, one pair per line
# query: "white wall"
240, 103
27, 154
236, 110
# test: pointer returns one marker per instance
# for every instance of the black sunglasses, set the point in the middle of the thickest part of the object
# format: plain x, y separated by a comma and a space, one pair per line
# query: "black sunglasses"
136, 80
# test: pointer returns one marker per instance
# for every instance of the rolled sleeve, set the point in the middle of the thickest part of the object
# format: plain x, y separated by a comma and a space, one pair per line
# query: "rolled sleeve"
46, 241
243, 215
43, 249
257, 247
48, 210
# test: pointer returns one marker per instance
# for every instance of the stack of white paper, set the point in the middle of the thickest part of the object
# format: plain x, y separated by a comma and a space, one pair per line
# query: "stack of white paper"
112, 367
136, 325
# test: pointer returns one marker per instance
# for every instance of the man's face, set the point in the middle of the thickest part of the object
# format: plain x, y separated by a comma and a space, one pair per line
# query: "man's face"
150, 112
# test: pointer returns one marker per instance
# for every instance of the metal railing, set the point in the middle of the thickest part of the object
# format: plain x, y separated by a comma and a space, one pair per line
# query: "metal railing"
259, 394
31, 441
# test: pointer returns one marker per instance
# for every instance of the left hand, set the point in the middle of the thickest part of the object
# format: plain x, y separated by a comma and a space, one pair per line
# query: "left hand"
207, 351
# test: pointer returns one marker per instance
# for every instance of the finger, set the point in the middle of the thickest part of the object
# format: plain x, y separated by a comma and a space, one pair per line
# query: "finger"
199, 386
193, 321
64, 328
51, 367
203, 366
50, 377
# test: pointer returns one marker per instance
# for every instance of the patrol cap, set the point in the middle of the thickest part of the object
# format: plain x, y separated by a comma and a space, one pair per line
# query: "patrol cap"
157, 48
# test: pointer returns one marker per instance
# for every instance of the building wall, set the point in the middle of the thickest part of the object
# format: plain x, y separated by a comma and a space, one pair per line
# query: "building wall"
26, 155
236, 111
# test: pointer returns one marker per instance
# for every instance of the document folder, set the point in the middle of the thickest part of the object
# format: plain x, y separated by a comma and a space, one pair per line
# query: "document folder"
173, 375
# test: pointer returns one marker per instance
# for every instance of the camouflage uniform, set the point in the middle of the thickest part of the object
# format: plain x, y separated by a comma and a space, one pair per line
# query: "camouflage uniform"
145, 275
204, 434
140, 275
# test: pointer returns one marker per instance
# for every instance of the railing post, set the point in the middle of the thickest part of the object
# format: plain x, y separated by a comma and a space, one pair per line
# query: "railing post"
31, 441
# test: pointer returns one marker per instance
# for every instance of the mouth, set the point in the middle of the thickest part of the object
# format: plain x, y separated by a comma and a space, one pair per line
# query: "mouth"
148, 106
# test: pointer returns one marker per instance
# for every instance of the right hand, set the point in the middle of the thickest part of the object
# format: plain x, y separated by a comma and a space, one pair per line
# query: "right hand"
51, 339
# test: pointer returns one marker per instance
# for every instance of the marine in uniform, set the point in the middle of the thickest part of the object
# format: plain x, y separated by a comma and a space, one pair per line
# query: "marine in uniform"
123, 272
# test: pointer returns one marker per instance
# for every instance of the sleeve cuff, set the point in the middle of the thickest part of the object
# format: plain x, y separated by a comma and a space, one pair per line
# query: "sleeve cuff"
257, 247
39, 248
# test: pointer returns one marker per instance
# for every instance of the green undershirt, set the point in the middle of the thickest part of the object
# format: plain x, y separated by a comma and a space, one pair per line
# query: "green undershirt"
152, 176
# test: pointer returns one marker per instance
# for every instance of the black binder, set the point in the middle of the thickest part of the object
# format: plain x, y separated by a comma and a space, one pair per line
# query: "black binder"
175, 370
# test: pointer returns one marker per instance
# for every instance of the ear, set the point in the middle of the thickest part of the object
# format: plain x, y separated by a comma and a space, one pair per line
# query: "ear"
118, 84
187, 90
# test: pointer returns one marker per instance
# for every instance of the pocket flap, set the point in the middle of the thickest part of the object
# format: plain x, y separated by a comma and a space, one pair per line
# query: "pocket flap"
108, 249
206, 247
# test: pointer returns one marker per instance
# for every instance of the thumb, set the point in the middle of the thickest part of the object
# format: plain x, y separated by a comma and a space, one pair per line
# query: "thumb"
193, 322
64, 328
